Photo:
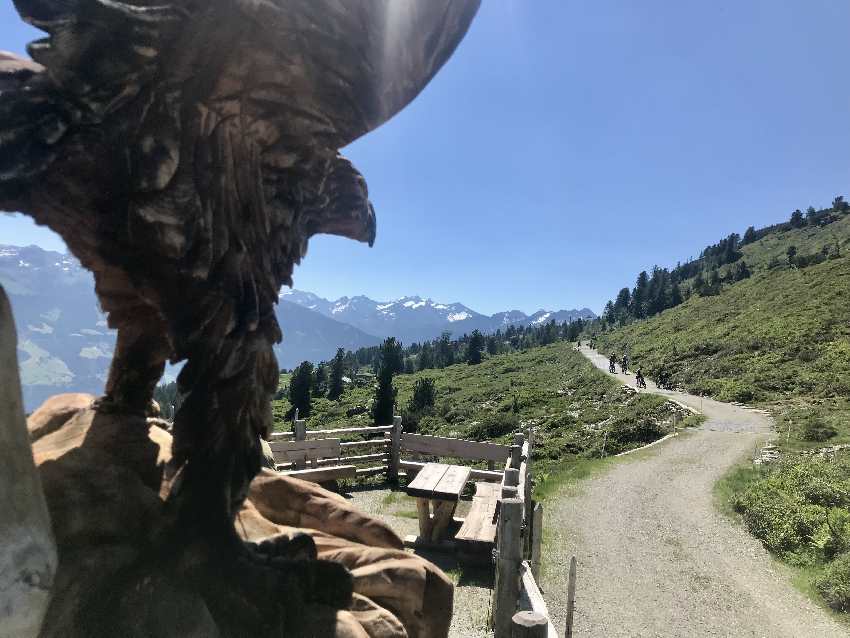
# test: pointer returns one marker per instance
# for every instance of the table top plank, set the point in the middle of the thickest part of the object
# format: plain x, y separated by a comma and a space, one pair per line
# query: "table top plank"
451, 485
427, 479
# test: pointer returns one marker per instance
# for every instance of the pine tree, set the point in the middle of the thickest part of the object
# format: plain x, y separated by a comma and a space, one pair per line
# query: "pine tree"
426, 357
445, 352
385, 393
299, 390
797, 218
474, 348
675, 296
320, 381
335, 385
749, 235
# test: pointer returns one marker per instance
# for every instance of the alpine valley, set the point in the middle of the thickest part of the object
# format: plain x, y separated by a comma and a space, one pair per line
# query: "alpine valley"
64, 343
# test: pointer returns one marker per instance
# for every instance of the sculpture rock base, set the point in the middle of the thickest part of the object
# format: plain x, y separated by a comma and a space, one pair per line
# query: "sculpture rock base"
105, 477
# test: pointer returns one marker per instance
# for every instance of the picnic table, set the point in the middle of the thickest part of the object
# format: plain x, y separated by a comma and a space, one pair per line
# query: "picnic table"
437, 488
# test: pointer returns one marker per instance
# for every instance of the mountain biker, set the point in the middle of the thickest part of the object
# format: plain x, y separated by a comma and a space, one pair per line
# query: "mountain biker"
625, 364
611, 363
641, 382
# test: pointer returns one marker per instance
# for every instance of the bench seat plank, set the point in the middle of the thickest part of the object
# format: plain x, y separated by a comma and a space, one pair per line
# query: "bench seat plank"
477, 535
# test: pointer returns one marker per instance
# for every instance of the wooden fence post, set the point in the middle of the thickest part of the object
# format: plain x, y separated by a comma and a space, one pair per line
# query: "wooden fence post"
395, 450
511, 477
300, 435
536, 540
508, 559
530, 624
516, 456
571, 598
519, 439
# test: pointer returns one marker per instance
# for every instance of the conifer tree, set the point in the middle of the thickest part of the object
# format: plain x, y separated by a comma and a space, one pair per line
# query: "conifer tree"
335, 385
797, 218
475, 347
299, 390
320, 381
749, 235
426, 357
675, 296
385, 393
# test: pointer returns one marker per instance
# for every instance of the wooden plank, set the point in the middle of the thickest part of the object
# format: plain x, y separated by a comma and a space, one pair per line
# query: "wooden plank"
370, 443
427, 479
318, 475
370, 471
536, 540
442, 446
297, 446
531, 598
506, 589
478, 532
413, 467
452, 483
376, 429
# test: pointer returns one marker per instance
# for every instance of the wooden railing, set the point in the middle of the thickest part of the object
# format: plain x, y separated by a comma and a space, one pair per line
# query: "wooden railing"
518, 608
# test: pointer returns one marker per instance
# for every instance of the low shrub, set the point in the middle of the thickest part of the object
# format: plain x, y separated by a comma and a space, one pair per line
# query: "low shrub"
493, 426
834, 584
814, 429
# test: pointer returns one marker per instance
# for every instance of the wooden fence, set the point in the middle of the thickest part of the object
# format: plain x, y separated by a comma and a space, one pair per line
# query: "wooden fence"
517, 605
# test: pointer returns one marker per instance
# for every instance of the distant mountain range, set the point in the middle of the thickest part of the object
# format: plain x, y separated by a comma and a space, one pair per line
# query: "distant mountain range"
416, 319
65, 345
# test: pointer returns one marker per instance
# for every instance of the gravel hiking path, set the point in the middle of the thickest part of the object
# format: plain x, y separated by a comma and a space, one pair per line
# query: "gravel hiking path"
655, 558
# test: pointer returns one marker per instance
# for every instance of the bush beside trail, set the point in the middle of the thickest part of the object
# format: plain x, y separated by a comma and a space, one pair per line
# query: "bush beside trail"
800, 510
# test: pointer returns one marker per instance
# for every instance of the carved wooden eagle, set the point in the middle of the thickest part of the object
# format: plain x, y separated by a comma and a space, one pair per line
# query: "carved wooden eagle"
186, 151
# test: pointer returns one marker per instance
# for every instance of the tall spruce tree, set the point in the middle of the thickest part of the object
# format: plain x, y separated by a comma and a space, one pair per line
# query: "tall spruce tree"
299, 390
749, 235
385, 393
320, 381
335, 385
474, 347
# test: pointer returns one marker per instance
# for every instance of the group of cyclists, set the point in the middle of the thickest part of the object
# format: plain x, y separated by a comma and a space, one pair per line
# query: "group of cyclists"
624, 367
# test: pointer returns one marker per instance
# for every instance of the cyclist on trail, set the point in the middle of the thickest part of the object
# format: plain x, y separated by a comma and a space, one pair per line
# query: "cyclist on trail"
625, 364
611, 363
641, 382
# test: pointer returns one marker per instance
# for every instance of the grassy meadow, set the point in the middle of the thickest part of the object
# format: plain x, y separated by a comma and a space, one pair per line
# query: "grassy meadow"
573, 408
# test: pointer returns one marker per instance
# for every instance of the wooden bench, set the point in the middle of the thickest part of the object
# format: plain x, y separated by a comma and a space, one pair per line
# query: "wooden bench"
437, 486
301, 453
477, 536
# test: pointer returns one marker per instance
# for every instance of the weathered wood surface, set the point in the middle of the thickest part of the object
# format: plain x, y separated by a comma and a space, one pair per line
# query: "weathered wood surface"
536, 540
300, 453
477, 535
508, 559
395, 450
27, 550
371, 429
531, 598
571, 598
414, 467
320, 474
458, 448
440, 482
529, 624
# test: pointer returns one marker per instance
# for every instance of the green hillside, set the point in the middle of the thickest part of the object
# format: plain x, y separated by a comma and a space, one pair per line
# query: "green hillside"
779, 339
570, 404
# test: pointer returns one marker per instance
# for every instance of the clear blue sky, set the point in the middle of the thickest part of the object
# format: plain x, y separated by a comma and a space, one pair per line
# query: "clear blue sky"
569, 144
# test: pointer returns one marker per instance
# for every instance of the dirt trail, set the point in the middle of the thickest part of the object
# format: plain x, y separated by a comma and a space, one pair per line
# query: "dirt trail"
655, 558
